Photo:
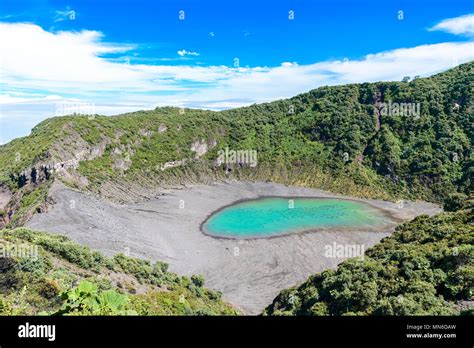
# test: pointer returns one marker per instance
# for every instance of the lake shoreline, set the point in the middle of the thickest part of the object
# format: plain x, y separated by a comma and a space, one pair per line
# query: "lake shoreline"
250, 273
394, 221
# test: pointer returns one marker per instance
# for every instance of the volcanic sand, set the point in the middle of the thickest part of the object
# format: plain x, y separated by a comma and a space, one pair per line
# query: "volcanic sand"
250, 272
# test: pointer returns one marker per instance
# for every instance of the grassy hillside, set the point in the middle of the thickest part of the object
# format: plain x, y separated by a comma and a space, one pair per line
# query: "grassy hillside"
337, 138
425, 268
48, 274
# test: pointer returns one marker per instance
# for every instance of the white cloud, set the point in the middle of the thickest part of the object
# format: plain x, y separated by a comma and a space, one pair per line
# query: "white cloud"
289, 64
34, 57
458, 25
36, 63
183, 53
15, 98
66, 62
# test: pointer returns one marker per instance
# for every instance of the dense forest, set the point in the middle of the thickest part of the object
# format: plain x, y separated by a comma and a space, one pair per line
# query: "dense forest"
425, 268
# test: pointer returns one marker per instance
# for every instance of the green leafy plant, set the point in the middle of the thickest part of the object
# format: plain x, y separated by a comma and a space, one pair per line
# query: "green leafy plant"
86, 299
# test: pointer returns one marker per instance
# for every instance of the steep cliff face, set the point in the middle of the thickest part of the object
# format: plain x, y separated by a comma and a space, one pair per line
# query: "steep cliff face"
53, 151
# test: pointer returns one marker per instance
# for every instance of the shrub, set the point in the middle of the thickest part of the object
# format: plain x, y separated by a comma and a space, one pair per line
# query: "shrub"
49, 288
197, 280
143, 270
62, 246
455, 202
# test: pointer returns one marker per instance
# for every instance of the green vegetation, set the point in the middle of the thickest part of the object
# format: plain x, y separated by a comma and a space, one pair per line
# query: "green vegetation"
31, 200
425, 268
47, 274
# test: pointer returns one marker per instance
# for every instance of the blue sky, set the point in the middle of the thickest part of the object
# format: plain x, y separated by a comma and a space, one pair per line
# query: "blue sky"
116, 56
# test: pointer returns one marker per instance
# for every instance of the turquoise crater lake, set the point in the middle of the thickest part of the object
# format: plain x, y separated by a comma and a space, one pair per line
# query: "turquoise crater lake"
276, 216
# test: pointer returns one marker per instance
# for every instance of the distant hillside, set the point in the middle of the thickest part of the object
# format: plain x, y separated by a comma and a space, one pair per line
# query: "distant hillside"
388, 140
425, 268
42, 273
